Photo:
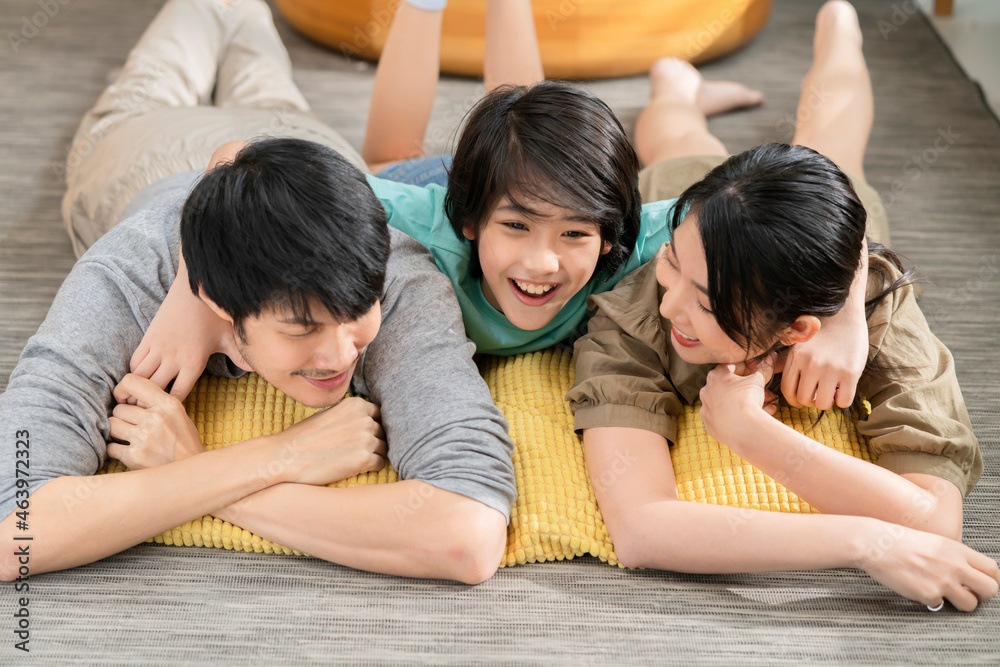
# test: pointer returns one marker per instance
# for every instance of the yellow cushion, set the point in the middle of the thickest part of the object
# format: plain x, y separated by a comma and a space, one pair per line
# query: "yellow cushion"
555, 515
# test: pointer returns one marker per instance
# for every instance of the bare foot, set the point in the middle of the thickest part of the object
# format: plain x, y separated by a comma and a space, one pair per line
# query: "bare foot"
715, 97
836, 22
672, 77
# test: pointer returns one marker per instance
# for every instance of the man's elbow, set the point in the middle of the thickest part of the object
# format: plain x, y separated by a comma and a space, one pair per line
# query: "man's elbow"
9, 566
475, 544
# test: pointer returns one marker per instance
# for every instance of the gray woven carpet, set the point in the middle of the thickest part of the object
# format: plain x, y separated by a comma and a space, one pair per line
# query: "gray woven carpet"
153, 605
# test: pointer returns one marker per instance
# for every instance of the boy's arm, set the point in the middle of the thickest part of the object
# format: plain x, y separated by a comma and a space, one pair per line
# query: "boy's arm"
185, 332
825, 370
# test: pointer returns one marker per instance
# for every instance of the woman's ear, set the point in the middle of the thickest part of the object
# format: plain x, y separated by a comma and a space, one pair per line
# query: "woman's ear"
802, 329
605, 248
469, 231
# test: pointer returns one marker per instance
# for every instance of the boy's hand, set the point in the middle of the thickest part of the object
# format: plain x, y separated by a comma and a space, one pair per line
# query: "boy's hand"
183, 334
157, 434
824, 371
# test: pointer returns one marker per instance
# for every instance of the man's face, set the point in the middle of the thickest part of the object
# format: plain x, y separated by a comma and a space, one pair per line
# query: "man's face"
312, 363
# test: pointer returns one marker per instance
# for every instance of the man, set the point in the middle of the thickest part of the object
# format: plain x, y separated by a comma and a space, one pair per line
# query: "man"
288, 245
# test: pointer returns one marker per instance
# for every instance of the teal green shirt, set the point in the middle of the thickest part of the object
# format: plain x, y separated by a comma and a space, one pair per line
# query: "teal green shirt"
419, 212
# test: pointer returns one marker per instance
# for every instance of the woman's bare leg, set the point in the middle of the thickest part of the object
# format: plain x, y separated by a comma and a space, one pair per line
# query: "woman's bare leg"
511, 45
836, 110
405, 83
673, 124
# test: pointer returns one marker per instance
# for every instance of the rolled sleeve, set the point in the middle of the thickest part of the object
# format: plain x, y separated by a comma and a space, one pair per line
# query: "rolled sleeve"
622, 364
441, 424
919, 422
60, 392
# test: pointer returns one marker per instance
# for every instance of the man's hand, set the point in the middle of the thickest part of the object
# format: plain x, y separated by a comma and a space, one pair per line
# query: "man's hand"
332, 445
183, 334
158, 433
732, 395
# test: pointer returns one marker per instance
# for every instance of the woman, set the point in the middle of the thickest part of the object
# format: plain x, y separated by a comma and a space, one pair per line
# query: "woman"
764, 250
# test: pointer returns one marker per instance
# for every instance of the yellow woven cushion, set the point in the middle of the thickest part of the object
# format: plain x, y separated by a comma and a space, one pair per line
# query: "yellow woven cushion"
555, 515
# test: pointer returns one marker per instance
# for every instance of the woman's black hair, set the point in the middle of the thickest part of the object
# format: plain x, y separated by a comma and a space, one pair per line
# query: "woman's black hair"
551, 142
288, 221
782, 229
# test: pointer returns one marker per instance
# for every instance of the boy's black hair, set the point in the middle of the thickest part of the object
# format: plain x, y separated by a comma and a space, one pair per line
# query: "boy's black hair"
286, 222
551, 142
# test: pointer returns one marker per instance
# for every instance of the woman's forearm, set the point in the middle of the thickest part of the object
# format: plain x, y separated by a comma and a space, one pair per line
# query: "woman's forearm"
837, 483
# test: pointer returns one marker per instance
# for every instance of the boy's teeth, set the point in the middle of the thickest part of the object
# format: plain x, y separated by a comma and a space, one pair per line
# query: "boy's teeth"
533, 289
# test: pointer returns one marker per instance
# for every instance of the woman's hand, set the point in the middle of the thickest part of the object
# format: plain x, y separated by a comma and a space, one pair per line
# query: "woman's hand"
157, 434
928, 568
733, 395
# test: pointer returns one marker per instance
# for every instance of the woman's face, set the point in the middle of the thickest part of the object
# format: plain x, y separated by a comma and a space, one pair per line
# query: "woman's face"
682, 270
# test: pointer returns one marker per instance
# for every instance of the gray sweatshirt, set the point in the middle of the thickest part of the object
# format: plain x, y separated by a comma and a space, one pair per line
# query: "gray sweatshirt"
441, 425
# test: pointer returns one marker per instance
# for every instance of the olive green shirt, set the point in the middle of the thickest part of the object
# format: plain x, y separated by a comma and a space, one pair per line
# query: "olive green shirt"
628, 375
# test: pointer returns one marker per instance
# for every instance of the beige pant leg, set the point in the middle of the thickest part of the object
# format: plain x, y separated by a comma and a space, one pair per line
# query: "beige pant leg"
255, 70
153, 122
669, 178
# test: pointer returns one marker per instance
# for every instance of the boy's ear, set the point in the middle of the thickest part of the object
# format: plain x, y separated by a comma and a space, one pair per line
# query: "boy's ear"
802, 329
605, 248
219, 312
469, 231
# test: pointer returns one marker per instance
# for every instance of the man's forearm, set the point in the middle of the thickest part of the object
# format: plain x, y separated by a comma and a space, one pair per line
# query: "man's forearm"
409, 528
77, 520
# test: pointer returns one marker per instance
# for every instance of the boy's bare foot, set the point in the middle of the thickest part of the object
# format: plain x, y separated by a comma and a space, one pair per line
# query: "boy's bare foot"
677, 78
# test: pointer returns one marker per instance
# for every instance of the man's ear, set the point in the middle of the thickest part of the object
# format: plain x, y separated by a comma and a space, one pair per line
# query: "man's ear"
219, 312
802, 329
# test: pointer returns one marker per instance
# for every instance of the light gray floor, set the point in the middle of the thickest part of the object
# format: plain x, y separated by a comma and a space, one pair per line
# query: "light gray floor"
153, 605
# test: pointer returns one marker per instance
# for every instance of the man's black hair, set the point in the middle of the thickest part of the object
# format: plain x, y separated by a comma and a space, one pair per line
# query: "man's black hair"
287, 222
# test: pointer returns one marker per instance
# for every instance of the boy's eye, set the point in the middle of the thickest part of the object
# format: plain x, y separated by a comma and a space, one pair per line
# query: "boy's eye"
520, 226
576, 234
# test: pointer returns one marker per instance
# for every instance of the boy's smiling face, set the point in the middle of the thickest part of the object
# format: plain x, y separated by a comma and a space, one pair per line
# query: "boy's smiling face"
534, 261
